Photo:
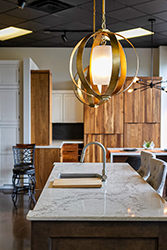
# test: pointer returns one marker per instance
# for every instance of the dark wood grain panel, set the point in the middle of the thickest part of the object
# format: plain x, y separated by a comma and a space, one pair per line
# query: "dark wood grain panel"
100, 235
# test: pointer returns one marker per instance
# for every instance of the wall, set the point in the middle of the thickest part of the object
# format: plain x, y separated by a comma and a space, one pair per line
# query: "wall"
57, 60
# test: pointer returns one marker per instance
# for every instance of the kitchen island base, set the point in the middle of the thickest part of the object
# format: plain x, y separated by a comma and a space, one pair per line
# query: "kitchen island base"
126, 213
99, 235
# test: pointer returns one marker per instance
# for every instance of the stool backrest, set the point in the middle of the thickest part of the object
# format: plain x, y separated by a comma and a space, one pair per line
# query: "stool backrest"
157, 176
144, 169
23, 155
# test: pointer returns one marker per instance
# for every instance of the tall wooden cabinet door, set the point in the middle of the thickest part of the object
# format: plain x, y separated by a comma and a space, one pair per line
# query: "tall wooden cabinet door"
41, 103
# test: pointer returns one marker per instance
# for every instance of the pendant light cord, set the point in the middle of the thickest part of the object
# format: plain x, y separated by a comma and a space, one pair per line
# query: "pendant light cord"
103, 25
94, 15
152, 21
152, 52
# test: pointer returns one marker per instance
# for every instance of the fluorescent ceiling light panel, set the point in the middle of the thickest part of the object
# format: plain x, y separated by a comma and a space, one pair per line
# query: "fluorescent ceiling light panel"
132, 33
12, 32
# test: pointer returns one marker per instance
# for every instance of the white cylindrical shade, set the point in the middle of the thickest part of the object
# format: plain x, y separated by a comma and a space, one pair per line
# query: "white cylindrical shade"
101, 64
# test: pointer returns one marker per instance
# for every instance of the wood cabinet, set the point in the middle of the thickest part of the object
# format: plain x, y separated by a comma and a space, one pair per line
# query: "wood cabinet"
66, 107
41, 107
125, 120
44, 159
71, 152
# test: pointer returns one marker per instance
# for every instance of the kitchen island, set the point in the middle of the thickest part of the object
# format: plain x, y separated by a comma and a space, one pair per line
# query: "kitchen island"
125, 213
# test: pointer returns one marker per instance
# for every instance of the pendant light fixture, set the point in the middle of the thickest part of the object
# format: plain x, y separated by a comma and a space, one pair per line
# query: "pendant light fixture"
106, 73
147, 84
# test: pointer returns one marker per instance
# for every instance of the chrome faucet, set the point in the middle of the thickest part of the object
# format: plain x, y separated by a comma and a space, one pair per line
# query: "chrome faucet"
104, 176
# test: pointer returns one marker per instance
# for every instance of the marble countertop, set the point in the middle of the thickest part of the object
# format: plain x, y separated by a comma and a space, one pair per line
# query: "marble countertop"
59, 143
125, 196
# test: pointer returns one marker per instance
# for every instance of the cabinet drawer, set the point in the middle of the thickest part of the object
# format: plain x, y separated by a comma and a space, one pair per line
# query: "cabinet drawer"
70, 156
70, 147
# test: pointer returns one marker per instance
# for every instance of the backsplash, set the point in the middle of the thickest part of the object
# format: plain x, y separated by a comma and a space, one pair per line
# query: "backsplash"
67, 131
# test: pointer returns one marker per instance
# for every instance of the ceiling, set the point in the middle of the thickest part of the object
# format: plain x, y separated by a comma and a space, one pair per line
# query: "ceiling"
41, 15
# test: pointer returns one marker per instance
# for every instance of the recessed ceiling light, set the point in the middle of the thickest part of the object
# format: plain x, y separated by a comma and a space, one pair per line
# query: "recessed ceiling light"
12, 32
132, 33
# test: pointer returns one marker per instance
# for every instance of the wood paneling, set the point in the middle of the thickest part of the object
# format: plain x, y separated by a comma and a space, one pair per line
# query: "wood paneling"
111, 140
41, 99
133, 135
134, 104
126, 120
44, 159
113, 115
99, 235
151, 132
93, 152
89, 120
99, 119
109, 115
89, 155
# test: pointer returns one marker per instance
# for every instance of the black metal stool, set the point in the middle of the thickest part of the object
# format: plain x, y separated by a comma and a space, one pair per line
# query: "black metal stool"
23, 178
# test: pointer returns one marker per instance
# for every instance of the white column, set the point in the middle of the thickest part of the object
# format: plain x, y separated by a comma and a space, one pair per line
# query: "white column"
28, 65
163, 74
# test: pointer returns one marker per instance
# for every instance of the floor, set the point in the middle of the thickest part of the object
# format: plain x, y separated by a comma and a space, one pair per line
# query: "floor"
15, 230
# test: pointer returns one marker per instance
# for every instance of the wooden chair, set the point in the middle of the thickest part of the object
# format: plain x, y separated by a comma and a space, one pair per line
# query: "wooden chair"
157, 176
23, 178
144, 169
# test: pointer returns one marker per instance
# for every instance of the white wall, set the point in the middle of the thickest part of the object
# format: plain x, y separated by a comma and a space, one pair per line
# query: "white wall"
57, 60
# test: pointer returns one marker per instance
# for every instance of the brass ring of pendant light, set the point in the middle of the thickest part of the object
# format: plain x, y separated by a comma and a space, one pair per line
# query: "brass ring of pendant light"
137, 65
119, 86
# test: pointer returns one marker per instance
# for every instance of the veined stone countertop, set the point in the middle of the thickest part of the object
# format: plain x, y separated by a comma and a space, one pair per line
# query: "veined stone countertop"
59, 143
125, 196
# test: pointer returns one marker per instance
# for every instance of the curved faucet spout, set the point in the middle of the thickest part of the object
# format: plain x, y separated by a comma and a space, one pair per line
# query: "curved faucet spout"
104, 176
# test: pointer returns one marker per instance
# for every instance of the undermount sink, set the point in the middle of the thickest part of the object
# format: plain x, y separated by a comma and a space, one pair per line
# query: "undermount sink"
78, 180
78, 175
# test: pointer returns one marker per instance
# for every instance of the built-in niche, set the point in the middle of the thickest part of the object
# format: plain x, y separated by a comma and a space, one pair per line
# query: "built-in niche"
67, 131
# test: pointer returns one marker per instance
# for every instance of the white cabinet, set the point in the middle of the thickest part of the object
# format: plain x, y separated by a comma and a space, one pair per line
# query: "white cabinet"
10, 111
66, 107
